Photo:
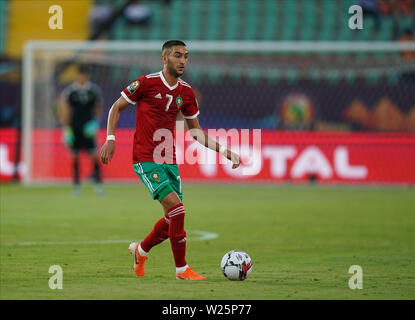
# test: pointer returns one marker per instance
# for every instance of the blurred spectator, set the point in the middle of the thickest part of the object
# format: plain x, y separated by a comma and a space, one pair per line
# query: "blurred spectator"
98, 15
403, 16
408, 76
385, 7
407, 36
405, 7
370, 8
137, 13
8, 116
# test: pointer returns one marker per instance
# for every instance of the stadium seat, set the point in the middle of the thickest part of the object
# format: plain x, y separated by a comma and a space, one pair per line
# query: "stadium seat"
212, 20
302, 20
309, 21
290, 20
232, 20
3, 17
271, 20
251, 21
194, 22
287, 20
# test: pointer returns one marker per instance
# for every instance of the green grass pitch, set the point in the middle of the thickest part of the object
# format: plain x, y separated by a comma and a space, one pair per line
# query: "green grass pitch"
302, 241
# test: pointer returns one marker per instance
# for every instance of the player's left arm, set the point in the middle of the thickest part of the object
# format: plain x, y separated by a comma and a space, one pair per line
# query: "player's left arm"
200, 136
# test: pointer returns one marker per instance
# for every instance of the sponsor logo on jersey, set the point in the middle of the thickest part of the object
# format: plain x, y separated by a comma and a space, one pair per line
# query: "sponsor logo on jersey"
179, 102
158, 96
133, 86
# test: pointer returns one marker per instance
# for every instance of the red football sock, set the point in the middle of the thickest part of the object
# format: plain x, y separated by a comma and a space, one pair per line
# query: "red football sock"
177, 234
159, 233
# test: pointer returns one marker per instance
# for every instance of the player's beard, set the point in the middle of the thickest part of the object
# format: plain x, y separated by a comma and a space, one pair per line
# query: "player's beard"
172, 70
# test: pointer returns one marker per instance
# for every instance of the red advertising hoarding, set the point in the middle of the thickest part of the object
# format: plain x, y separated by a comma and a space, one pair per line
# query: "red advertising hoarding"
280, 156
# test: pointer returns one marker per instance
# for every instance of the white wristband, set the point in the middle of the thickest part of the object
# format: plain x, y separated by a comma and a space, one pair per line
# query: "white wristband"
222, 150
111, 137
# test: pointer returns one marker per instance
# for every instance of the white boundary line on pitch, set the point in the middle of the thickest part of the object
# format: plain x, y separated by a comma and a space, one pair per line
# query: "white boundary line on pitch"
202, 235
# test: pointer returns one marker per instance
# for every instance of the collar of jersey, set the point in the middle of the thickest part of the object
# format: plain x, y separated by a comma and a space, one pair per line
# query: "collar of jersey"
166, 83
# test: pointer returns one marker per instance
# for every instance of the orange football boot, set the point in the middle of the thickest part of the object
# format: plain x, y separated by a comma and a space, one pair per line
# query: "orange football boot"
139, 261
189, 274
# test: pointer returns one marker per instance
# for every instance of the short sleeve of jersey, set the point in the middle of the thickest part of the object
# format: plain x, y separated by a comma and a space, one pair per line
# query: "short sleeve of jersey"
135, 90
190, 108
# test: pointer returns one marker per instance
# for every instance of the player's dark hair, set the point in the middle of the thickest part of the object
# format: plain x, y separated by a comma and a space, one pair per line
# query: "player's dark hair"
171, 43
83, 68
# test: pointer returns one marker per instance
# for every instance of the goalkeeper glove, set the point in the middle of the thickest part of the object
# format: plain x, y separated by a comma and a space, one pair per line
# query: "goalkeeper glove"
68, 137
90, 128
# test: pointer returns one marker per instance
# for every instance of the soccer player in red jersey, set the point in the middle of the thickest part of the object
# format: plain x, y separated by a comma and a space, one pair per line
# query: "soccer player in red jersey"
159, 97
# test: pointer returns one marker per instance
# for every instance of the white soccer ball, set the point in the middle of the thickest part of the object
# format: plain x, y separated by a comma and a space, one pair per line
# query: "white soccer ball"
236, 265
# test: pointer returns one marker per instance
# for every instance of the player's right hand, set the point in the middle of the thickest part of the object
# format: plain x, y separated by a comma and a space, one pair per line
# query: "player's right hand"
107, 151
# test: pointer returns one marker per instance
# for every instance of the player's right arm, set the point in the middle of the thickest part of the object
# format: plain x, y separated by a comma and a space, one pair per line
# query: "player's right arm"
108, 149
130, 95
64, 111
65, 116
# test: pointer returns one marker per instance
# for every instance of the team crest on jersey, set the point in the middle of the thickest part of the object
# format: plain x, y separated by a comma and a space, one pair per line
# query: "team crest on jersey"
133, 86
179, 102
156, 177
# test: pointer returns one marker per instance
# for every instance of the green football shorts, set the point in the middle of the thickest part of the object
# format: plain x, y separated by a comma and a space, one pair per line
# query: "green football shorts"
160, 179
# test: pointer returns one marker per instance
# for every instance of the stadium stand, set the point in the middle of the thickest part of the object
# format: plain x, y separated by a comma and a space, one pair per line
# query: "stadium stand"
302, 20
255, 20
212, 20
271, 20
19, 30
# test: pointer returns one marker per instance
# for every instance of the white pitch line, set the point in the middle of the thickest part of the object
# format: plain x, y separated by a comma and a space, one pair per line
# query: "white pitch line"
202, 235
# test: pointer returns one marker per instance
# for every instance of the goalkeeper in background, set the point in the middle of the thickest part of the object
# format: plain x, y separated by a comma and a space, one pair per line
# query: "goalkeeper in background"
80, 108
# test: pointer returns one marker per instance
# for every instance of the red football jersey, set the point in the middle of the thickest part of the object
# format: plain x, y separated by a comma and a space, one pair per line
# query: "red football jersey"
158, 104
